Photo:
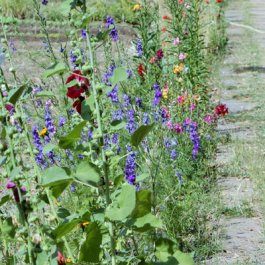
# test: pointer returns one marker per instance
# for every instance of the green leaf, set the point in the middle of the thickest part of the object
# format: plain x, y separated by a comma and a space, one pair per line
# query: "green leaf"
124, 204
48, 148
63, 213
164, 249
68, 141
7, 228
140, 134
42, 258
44, 94
2, 160
102, 36
65, 228
119, 75
142, 177
117, 125
184, 258
58, 189
5, 199
55, 176
143, 203
86, 111
56, 68
88, 173
147, 222
72, 83
90, 249
15, 94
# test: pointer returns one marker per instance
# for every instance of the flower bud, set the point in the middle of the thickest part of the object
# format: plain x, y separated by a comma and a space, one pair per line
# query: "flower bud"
36, 239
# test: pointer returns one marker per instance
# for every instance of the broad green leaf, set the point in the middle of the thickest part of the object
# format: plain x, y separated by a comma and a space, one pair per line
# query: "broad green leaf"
67, 142
45, 94
65, 228
119, 75
48, 148
124, 204
90, 249
7, 228
55, 176
147, 222
184, 258
15, 94
5, 199
140, 134
86, 110
143, 203
171, 260
56, 68
117, 125
42, 258
58, 189
63, 213
88, 173
165, 249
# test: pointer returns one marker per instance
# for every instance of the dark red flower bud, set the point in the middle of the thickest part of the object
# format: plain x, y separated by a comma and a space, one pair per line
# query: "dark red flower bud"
159, 54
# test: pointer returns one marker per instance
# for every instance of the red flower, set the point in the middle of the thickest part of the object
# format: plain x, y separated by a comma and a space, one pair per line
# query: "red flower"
164, 29
167, 18
77, 104
60, 258
141, 70
159, 54
221, 109
76, 90
219, 1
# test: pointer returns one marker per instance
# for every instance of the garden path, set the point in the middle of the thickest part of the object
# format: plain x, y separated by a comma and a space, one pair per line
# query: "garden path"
241, 87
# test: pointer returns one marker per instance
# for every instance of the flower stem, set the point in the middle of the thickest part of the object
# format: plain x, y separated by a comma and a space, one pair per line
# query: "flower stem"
105, 164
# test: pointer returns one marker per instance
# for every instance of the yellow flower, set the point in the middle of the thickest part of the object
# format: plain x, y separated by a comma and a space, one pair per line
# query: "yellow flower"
136, 7
68, 260
178, 68
43, 132
84, 224
165, 93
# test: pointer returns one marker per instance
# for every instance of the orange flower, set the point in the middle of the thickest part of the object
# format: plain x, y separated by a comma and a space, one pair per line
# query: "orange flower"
152, 60
164, 29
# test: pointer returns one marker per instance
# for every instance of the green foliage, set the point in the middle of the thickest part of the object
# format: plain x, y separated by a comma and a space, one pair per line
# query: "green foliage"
114, 173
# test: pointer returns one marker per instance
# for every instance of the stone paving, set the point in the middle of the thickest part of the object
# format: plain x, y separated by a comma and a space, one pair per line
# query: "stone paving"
242, 238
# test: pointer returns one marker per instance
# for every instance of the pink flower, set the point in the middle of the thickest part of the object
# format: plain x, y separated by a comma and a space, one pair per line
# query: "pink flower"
176, 41
182, 56
192, 107
188, 121
208, 119
169, 125
181, 99
178, 128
